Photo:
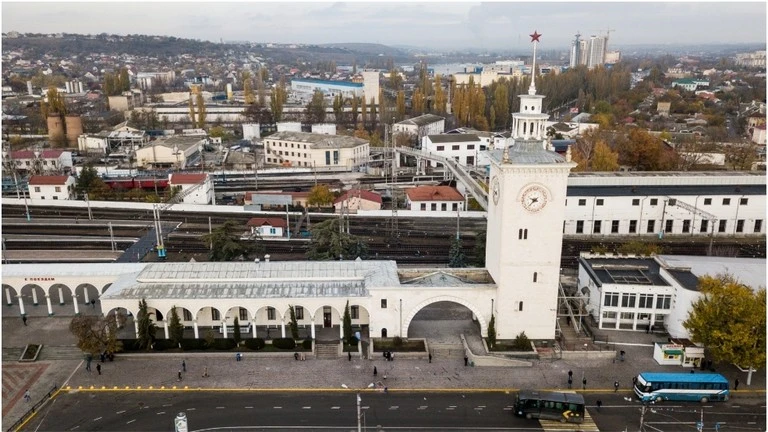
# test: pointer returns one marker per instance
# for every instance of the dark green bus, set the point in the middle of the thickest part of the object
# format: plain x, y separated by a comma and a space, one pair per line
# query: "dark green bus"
564, 407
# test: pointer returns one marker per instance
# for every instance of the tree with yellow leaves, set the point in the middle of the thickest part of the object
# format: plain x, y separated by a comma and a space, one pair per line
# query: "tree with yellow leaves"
729, 320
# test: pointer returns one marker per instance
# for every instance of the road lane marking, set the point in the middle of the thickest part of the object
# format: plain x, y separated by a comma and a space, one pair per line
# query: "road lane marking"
277, 407
394, 407
335, 408
97, 418
190, 409
160, 412
249, 407
306, 407
120, 412
220, 407
131, 421
423, 407
167, 405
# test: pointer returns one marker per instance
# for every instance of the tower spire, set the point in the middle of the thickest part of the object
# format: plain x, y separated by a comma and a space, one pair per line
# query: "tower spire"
535, 39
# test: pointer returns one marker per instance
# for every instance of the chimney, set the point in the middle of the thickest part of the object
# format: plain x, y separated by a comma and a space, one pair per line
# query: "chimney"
266, 258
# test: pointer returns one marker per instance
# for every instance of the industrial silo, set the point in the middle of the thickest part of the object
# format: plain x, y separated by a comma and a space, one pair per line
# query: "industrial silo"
55, 129
74, 126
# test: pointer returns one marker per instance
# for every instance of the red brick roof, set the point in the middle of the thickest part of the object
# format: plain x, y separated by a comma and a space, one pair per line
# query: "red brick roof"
273, 222
186, 179
41, 180
363, 194
434, 193
29, 154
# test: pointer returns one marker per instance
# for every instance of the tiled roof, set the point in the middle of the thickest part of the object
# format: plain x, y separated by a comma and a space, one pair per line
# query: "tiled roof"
29, 154
274, 222
363, 194
434, 193
40, 180
422, 120
453, 138
186, 178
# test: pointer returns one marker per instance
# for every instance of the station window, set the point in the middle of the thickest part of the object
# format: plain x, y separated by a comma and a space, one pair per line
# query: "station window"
383, 303
723, 225
614, 227
726, 201
651, 226
215, 316
535, 276
270, 313
611, 299
187, 315
522, 234
686, 225
354, 312
669, 224
520, 307
598, 225
704, 225
580, 227
707, 201
582, 202
743, 201
654, 201
632, 226
243, 314
740, 225
636, 202
758, 225
599, 202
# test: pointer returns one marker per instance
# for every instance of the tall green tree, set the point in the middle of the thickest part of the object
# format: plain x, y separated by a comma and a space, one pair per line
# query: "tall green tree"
227, 245
354, 112
331, 242
192, 117
319, 196
277, 100
315, 109
294, 324
400, 105
236, 332
456, 257
492, 331
200, 110
147, 328
347, 324
338, 108
730, 320
175, 327
250, 98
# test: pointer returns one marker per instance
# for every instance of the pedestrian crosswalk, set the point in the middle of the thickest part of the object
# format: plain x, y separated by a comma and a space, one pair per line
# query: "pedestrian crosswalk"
587, 426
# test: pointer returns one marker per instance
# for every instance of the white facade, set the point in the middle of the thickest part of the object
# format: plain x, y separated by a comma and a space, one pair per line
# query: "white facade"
51, 188
466, 149
197, 188
421, 126
92, 143
630, 293
371, 86
289, 126
301, 149
251, 131
611, 205
324, 128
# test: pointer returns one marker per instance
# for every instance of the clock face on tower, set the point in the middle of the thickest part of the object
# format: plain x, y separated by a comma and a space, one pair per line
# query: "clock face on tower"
534, 198
495, 189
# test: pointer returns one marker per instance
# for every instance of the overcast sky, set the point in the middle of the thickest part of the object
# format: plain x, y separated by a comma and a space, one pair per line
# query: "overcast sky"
442, 25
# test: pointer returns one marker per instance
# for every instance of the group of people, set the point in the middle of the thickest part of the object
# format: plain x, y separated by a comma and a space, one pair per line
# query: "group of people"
299, 356
389, 355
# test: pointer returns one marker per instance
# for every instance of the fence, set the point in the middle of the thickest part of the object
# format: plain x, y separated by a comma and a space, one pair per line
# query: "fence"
16, 426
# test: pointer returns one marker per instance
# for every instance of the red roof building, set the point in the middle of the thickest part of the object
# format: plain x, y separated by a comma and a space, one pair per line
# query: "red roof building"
434, 193
40, 180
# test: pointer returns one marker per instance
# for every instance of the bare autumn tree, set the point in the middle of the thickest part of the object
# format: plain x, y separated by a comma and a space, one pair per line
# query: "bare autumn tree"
96, 334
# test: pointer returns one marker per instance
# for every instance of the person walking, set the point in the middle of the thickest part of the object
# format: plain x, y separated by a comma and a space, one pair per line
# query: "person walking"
570, 382
634, 381
88, 363
615, 386
570, 374
93, 304
205, 372
179, 374
584, 383
466, 360
184, 365
375, 371
24, 319
349, 355
98, 368
27, 397
430, 357
599, 404
736, 384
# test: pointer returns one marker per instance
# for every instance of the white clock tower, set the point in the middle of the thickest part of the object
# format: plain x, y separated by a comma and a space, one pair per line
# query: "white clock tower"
525, 223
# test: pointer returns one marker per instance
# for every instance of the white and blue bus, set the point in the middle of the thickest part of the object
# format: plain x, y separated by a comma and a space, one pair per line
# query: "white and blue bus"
702, 387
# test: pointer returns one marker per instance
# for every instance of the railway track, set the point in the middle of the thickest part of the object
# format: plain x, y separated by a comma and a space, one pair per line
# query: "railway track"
417, 241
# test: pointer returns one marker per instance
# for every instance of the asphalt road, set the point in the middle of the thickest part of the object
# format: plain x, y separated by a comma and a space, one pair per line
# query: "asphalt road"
227, 410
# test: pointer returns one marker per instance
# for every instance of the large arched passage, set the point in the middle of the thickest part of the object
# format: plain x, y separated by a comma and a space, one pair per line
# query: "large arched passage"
443, 320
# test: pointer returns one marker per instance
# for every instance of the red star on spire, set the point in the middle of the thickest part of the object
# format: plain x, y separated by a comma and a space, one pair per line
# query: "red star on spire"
535, 36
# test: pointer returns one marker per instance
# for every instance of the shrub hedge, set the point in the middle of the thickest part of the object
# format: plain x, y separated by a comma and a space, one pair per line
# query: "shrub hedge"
284, 343
254, 344
307, 344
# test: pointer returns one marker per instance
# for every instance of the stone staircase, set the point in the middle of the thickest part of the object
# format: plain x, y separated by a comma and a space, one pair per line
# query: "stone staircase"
50, 352
326, 350
447, 350
12, 354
